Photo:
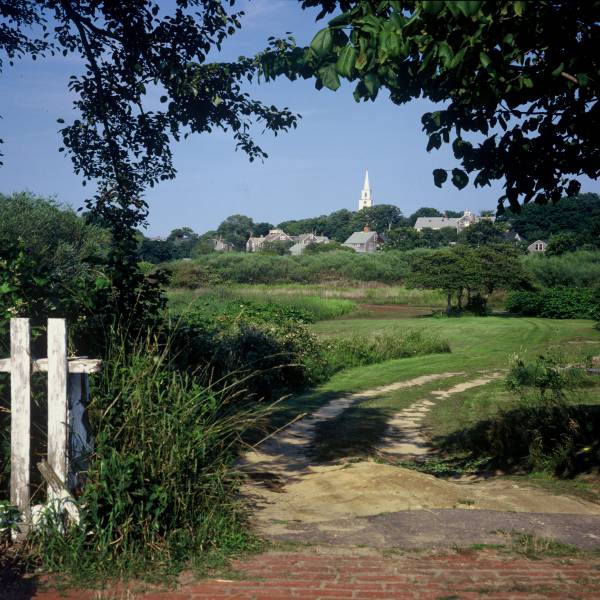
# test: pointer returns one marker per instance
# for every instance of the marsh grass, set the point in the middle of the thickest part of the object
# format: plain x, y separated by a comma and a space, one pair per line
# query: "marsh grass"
269, 303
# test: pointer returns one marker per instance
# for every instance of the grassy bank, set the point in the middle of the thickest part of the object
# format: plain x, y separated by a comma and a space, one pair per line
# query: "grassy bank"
477, 344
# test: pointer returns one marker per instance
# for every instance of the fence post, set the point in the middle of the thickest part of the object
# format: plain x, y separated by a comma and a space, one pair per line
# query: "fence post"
58, 373
20, 408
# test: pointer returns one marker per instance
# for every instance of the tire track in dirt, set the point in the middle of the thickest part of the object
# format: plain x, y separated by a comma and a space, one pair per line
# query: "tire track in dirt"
404, 438
286, 455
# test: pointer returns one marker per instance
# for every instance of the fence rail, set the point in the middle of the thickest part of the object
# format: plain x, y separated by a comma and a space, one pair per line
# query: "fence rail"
68, 393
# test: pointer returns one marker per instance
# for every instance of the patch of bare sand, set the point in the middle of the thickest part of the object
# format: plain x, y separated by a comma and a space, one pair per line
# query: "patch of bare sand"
404, 438
367, 488
313, 493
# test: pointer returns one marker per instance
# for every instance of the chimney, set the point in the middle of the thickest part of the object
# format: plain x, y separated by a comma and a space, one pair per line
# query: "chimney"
366, 229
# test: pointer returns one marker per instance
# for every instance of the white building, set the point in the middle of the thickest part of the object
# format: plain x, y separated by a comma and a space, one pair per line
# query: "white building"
366, 198
458, 223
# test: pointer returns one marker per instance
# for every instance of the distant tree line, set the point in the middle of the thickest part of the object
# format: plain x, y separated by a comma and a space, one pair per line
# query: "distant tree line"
572, 224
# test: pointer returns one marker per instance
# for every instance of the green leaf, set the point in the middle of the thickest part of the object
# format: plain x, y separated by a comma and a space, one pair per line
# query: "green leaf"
459, 178
439, 177
5, 288
445, 53
583, 79
432, 7
519, 8
372, 83
558, 70
322, 43
468, 7
343, 19
485, 60
329, 77
346, 61
361, 61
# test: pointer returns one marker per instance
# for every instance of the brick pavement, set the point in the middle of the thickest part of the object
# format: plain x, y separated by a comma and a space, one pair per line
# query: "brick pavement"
331, 576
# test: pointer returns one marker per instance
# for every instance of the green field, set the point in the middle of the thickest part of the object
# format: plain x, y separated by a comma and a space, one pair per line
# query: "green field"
477, 345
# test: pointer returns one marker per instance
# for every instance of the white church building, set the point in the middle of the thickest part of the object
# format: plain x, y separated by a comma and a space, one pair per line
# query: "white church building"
366, 197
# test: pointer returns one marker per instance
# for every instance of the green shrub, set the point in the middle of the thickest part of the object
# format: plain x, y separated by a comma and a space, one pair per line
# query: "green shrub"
161, 484
556, 303
234, 267
546, 429
573, 269
344, 353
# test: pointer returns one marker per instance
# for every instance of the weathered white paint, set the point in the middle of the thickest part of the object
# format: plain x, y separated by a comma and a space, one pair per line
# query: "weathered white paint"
69, 440
57, 398
76, 365
20, 408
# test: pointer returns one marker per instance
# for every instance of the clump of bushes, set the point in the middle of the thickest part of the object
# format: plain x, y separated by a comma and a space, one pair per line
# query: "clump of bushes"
579, 269
257, 267
556, 303
546, 429
161, 481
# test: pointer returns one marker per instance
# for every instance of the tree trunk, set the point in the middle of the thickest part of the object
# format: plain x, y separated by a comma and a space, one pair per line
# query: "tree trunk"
449, 306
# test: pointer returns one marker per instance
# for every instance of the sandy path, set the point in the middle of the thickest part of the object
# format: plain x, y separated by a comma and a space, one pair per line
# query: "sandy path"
292, 495
287, 454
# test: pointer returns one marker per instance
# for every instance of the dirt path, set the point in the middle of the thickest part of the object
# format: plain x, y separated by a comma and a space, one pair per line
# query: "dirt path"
367, 502
404, 439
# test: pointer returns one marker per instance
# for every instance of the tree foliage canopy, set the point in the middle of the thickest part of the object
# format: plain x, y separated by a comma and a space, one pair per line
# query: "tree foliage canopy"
522, 76
146, 82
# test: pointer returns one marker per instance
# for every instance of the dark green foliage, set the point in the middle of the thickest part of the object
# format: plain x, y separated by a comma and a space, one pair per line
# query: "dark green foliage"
157, 251
327, 247
277, 248
556, 303
521, 76
424, 212
476, 272
547, 429
579, 216
576, 269
339, 225
481, 233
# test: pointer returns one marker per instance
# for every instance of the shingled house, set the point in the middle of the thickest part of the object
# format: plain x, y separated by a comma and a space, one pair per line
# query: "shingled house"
364, 241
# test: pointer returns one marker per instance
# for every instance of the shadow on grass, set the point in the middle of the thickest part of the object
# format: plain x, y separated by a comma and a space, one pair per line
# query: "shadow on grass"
354, 433
556, 437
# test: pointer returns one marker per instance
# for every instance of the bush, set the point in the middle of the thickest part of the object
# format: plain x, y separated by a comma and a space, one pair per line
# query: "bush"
557, 303
256, 267
161, 481
357, 351
573, 269
545, 430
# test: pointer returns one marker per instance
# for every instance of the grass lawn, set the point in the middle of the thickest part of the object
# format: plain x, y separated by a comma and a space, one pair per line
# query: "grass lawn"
477, 344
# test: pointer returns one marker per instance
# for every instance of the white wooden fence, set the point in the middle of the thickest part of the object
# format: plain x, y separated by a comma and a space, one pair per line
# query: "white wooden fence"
68, 391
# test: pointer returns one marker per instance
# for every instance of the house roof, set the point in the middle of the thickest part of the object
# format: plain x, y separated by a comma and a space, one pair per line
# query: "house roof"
360, 237
435, 222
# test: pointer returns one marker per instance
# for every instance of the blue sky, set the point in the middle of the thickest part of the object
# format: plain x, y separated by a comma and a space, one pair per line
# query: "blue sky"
315, 169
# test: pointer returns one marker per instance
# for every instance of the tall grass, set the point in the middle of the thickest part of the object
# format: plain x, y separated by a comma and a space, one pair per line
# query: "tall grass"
227, 300
343, 353
242, 267
161, 484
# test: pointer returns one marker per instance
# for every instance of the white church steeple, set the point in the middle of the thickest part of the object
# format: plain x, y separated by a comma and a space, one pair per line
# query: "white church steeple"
366, 199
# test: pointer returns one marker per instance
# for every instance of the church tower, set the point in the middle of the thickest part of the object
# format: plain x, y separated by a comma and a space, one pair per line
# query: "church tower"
366, 199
